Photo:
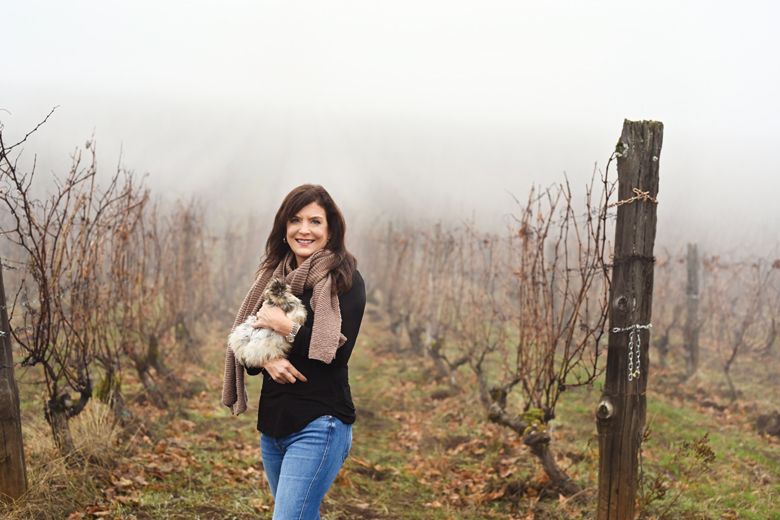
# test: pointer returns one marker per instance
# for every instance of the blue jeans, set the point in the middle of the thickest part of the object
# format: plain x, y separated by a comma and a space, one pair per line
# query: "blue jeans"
301, 466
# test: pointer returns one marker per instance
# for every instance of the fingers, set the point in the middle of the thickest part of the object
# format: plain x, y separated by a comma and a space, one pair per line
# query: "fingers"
284, 377
268, 317
272, 312
283, 372
294, 372
279, 376
262, 320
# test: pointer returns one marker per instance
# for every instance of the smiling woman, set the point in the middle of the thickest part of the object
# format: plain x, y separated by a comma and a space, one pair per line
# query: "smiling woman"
306, 411
307, 231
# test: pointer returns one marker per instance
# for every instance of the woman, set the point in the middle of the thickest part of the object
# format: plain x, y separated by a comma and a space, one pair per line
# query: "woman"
306, 411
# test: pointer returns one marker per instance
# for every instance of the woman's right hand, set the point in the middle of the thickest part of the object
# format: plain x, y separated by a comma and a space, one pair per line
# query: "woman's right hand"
282, 371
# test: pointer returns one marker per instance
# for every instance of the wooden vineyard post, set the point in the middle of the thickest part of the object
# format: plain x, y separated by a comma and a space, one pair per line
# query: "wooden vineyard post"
13, 473
620, 415
692, 315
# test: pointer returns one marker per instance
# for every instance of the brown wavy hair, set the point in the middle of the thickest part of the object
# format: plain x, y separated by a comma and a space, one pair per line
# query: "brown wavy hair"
276, 249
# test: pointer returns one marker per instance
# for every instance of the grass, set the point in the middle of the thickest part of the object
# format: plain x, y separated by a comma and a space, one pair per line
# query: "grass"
417, 454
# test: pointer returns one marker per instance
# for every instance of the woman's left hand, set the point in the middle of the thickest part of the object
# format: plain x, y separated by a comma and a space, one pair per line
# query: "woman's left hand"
270, 318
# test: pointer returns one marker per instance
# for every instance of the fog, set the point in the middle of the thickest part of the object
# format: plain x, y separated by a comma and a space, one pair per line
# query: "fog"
427, 109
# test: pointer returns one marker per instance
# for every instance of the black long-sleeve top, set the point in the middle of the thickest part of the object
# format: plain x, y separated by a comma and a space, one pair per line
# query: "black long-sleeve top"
287, 408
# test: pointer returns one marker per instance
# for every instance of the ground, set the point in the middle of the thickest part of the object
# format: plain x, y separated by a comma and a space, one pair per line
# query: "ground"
421, 450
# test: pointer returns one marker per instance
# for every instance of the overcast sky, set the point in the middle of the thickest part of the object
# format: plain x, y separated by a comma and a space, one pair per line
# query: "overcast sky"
438, 108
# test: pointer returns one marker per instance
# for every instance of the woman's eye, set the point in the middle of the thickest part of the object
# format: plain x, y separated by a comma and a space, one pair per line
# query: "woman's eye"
315, 221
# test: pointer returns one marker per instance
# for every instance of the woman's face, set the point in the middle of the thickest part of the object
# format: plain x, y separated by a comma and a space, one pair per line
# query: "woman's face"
307, 231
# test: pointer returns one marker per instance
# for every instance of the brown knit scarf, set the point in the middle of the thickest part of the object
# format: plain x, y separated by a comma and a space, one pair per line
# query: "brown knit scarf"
326, 336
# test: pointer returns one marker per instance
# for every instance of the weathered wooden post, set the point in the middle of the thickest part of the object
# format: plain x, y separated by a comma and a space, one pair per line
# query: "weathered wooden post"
692, 316
620, 415
13, 473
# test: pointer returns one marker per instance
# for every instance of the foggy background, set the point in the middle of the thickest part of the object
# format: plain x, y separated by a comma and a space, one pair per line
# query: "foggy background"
440, 109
